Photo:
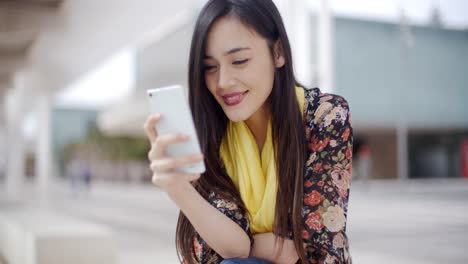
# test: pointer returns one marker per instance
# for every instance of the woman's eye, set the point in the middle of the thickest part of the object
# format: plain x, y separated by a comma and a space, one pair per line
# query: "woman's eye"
208, 67
239, 62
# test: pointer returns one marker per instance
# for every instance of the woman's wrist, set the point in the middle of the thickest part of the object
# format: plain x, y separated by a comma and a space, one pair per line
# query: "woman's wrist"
175, 191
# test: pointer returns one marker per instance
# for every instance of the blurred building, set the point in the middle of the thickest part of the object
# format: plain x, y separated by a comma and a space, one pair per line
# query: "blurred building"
69, 126
407, 87
406, 84
46, 45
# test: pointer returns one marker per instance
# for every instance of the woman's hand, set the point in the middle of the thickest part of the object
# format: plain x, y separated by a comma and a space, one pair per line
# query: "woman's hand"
163, 167
289, 254
265, 248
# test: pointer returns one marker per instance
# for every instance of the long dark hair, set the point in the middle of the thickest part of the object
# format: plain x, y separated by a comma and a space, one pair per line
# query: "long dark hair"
211, 122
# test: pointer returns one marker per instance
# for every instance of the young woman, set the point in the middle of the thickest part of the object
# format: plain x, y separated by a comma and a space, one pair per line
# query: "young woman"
277, 155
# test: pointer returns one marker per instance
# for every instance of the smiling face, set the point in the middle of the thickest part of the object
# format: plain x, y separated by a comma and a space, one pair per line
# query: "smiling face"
239, 69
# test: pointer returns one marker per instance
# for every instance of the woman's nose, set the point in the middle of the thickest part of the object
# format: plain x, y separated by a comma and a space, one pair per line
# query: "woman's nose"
225, 78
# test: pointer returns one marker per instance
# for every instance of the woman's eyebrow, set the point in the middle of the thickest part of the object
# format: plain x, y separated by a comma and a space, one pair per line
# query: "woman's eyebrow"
231, 51
234, 50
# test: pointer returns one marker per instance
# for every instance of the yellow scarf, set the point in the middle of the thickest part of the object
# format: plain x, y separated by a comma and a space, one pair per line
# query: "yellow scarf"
253, 173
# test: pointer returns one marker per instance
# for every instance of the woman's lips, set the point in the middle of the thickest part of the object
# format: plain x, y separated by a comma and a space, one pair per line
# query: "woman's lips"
234, 98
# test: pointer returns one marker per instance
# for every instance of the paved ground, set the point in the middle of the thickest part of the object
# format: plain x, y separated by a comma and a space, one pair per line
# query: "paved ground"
388, 222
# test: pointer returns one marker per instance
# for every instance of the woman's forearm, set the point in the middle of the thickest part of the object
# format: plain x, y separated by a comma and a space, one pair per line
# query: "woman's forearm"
221, 233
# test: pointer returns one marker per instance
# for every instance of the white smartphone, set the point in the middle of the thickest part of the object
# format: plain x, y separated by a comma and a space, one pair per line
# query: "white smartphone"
171, 102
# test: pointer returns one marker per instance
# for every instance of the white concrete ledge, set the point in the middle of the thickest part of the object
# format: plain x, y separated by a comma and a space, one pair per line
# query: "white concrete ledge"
44, 237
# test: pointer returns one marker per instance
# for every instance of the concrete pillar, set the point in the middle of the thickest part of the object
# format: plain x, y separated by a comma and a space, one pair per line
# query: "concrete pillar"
301, 41
43, 154
3, 145
14, 104
402, 150
297, 19
326, 47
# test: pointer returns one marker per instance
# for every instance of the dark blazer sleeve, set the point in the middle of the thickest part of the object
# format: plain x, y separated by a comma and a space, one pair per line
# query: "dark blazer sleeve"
327, 178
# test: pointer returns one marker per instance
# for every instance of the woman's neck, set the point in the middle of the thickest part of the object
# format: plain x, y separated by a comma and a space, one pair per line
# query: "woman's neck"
258, 123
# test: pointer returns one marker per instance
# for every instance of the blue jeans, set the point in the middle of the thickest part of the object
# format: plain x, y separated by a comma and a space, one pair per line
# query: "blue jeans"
245, 261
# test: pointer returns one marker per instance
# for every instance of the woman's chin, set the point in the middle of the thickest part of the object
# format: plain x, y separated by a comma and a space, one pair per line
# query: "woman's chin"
236, 117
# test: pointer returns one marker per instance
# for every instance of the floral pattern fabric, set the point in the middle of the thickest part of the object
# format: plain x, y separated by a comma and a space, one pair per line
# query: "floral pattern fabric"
326, 184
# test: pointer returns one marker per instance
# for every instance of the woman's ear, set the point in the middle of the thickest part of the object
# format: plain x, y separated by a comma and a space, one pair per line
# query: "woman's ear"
278, 56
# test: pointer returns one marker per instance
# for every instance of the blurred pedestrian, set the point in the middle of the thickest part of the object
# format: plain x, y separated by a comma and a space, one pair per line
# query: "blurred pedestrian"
73, 173
364, 163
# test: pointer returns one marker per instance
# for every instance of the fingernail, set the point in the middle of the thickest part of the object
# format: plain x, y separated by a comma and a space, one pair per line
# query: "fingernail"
184, 136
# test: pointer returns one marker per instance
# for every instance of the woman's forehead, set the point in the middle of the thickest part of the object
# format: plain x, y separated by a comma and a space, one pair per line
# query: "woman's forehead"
229, 33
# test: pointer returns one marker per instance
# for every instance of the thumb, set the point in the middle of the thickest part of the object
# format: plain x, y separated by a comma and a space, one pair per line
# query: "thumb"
193, 177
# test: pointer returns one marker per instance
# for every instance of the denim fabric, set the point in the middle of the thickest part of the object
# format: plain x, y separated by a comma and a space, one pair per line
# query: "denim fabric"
245, 261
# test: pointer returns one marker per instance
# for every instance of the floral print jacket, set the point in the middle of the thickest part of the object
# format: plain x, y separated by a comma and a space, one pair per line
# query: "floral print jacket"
326, 183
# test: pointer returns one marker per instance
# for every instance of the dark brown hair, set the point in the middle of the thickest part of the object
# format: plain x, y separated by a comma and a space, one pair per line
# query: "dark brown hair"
211, 122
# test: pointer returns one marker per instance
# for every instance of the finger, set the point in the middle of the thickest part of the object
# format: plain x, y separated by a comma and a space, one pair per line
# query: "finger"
156, 179
149, 127
188, 176
169, 164
160, 144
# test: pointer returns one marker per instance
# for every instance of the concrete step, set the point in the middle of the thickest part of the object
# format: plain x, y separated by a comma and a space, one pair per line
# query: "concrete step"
34, 236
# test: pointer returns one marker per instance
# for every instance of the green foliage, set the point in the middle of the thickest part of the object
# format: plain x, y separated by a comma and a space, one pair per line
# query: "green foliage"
119, 147
111, 147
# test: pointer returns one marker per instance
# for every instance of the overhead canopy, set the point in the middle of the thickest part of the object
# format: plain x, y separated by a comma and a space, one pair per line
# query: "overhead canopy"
62, 40
161, 61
